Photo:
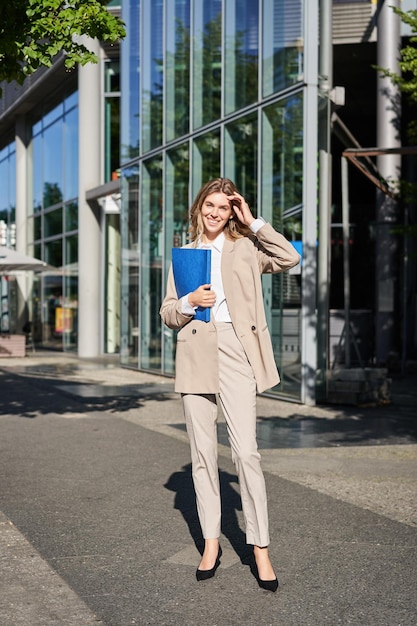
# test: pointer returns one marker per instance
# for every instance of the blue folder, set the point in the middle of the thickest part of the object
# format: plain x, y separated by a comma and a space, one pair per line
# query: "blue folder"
192, 268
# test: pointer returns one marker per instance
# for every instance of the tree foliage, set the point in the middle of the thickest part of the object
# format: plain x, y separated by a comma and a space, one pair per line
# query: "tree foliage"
33, 32
407, 79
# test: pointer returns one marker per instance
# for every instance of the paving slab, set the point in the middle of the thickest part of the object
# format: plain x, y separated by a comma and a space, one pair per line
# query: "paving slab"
98, 489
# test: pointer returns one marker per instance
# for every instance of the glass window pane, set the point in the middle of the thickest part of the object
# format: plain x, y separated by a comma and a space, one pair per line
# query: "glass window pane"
111, 138
69, 312
37, 128
12, 187
129, 313
70, 300
53, 253
282, 161
176, 203
282, 158
37, 227
71, 101
53, 115
282, 45
152, 77
177, 69
112, 75
241, 54
52, 165
71, 216
71, 253
52, 223
130, 82
206, 159
8, 187
37, 251
71, 154
52, 313
112, 284
176, 227
151, 264
37, 173
207, 62
241, 156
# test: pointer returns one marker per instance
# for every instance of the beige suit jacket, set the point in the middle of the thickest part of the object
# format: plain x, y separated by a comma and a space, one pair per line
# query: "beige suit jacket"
243, 261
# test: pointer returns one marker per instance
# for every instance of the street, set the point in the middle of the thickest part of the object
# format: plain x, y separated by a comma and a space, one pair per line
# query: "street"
98, 521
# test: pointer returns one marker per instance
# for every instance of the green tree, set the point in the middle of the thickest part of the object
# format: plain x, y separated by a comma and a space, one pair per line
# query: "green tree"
407, 83
407, 80
33, 32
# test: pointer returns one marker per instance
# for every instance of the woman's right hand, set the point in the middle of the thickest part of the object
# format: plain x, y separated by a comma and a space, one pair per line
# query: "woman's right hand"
202, 296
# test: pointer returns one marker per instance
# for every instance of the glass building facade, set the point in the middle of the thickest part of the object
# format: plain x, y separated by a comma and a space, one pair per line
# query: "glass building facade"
52, 224
7, 232
210, 89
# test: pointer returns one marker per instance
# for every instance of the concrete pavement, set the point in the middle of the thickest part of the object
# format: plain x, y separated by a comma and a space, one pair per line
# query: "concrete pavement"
98, 520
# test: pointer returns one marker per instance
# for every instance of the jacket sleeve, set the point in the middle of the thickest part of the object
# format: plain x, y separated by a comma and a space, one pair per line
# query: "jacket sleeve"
274, 252
170, 310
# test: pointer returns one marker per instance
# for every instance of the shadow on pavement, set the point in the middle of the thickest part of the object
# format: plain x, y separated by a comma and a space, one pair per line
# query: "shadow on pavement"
31, 396
182, 484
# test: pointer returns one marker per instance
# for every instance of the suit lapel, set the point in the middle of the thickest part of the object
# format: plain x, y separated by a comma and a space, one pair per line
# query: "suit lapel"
227, 271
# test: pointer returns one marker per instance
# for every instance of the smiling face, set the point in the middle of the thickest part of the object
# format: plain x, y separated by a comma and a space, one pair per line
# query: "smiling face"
215, 213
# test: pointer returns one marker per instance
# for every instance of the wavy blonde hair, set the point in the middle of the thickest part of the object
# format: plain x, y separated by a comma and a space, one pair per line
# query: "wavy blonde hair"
234, 229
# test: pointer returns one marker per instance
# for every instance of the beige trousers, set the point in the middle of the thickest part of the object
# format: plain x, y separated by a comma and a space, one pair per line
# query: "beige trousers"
238, 400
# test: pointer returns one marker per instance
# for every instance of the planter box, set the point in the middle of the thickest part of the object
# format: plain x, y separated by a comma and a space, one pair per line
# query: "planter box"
359, 386
12, 345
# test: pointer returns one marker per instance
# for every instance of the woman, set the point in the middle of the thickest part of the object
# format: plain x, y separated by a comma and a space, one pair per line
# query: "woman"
231, 357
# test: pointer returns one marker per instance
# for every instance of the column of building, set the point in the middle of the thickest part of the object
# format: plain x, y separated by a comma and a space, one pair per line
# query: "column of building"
389, 166
89, 215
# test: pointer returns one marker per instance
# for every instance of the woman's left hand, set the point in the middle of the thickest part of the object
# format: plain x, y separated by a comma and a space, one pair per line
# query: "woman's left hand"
241, 209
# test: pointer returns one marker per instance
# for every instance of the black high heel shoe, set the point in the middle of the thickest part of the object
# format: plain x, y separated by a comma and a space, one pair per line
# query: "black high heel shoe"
268, 585
205, 574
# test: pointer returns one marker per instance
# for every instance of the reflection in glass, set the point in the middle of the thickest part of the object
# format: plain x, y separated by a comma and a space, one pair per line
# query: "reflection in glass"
71, 216
8, 186
52, 223
71, 101
151, 264
37, 227
70, 301
53, 252
52, 311
52, 165
130, 82
37, 173
112, 285
53, 172
4, 194
69, 312
70, 129
176, 227
71, 253
282, 45
152, 77
111, 119
282, 164
207, 62
111, 138
37, 251
241, 54
206, 159
53, 115
176, 204
112, 75
177, 87
282, 157
241, 156
130, 267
